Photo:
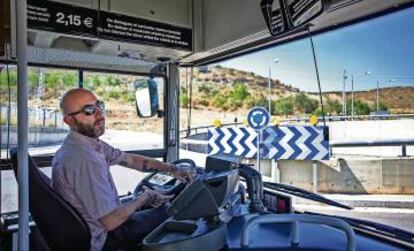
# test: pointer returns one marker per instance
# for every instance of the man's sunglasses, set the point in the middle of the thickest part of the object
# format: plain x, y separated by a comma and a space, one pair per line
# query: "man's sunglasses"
90, 109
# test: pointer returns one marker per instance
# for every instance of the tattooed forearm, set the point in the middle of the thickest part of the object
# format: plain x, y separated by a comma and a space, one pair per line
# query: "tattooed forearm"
146, 167
144, 164
124, 163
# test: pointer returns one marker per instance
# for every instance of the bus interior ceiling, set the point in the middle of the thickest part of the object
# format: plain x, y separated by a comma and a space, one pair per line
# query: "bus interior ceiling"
210, 30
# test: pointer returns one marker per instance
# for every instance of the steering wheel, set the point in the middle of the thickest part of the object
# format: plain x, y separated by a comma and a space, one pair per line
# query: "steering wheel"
164, 183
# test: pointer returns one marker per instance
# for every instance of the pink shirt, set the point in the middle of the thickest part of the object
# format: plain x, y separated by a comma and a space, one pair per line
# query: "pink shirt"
80, 173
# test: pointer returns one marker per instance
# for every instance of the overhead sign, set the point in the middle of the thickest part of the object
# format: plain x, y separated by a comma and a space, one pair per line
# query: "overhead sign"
68, 19
258, 118
301, 11
274, 18
61, 18
132, 29
282, 16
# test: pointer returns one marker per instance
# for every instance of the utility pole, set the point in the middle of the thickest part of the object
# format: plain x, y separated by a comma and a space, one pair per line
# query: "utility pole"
352, 93
352, 96
344, 94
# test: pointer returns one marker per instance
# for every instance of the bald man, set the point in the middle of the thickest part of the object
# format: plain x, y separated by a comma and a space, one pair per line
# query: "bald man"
81, 175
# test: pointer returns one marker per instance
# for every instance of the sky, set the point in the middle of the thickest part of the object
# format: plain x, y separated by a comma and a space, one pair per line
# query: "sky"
383, 46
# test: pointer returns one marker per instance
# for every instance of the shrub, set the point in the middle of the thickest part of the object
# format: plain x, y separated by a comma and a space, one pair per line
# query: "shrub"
283, 106
333, 106
261, 100
203, 102
305, 104
360, 107
184, 100
219, 101
239, 92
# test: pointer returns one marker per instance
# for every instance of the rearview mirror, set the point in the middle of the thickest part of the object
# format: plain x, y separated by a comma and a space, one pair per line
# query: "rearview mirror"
146, 97
301, 12
282, 16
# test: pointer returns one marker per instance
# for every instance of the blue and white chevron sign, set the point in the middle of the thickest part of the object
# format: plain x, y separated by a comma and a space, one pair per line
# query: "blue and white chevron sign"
279, 143
294, 143
237, 141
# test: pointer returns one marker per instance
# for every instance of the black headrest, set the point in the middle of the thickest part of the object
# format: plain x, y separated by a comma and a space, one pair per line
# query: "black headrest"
60, 224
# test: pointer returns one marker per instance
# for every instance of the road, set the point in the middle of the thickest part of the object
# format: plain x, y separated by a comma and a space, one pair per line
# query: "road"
400, 218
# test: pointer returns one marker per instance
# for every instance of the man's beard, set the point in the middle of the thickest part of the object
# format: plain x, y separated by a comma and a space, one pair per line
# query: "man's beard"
90, 130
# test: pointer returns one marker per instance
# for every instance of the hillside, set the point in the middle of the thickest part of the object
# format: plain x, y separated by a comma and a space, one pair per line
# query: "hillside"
226, 89
226, 76
397, 99
219, 88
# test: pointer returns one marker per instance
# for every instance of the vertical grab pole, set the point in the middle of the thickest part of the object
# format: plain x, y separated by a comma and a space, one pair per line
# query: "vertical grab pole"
172, 141
22, 107
258, 150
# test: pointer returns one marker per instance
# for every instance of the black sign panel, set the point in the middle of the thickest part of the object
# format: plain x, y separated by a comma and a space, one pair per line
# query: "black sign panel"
62, 18
132, 29
274, 16
277, 23
68, 19
282, 16
301, 11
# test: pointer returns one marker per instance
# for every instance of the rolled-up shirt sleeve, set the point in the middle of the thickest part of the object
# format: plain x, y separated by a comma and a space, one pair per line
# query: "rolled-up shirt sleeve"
91, 184
113, 155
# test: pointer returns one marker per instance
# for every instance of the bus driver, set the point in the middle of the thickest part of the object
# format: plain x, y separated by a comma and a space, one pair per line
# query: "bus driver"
81, 175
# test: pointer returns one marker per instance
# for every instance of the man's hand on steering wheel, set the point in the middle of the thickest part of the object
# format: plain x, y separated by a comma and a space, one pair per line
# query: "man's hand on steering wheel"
154, 199
184, 173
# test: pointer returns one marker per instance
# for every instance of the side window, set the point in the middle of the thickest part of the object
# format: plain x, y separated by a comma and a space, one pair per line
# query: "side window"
124, 129
46, 129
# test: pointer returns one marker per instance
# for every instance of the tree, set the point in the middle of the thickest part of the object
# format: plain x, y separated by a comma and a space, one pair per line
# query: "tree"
184, 100
382, 107
261, 100
305, 104
360, 107
219, 101
239, 92
333, 106
283, 106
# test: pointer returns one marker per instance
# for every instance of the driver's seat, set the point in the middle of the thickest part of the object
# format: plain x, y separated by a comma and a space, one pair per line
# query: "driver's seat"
61, 225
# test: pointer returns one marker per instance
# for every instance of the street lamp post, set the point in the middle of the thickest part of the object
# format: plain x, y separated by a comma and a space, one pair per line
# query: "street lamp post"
275, 61
352, 92
352, 97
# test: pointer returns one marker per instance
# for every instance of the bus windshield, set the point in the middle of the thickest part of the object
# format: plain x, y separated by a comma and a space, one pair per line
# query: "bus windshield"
366, 74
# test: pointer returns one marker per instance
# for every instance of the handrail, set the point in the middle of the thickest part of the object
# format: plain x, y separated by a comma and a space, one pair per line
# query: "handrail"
390, 142
295, 219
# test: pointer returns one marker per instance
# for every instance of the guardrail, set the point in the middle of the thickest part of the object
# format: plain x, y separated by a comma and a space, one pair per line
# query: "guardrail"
40, 116
396, 142
195, 130
188, 132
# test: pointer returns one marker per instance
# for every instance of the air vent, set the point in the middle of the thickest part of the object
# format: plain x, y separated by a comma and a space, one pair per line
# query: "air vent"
256, 37
343, 4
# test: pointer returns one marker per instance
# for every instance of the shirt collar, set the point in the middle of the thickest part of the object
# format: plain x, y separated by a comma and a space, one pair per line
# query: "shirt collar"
88, 141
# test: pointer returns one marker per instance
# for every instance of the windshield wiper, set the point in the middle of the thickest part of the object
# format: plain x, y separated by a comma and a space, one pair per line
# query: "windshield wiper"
303, 194
375, 227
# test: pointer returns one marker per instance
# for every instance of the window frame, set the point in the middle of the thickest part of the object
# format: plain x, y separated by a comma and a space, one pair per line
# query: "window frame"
45, 160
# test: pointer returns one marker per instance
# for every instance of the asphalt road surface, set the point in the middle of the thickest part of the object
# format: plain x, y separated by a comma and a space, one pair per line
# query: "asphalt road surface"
400, 218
